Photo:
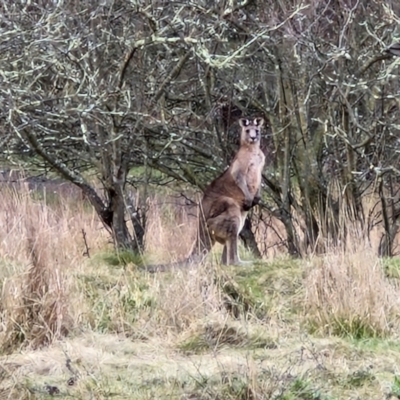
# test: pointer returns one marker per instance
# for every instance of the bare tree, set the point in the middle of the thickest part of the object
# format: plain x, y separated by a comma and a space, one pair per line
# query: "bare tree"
108, 87
158, 85
328, 88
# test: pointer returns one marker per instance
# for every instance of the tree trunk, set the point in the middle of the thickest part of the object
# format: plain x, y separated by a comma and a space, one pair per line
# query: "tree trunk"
138, 218
292, 239
390, 223
249, 239
121, 235
113, 216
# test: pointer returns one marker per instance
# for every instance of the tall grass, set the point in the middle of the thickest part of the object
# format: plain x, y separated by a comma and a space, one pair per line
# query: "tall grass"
40, 244
49, 287
54, 295
349, 295
58, 216
171, 229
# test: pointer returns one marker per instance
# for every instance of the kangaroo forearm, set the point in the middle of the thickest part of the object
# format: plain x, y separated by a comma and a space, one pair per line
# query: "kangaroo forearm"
247, 195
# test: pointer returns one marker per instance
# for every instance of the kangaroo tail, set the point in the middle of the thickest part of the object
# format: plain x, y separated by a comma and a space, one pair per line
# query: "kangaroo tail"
199, 251
191, 261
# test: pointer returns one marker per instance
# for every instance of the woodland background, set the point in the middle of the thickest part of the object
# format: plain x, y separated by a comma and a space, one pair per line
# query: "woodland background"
96, 90
114, 115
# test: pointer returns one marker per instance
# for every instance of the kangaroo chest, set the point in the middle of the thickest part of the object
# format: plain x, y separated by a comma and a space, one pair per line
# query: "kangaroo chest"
254, 169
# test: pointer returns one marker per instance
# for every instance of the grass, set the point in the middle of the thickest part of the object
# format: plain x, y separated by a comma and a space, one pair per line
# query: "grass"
392, 267
73, 326
349, 295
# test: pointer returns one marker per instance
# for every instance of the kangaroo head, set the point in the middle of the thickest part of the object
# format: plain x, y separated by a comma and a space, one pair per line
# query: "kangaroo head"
251, 130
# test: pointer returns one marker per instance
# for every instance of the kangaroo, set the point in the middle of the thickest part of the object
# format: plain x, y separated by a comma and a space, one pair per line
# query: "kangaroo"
228, 198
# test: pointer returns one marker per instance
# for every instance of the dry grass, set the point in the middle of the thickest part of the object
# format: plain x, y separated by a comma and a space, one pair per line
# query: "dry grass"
167, 224
79, 327
62, 221
40, 242
349, 295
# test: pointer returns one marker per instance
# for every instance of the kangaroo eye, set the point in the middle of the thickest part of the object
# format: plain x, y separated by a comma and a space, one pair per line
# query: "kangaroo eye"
247, 131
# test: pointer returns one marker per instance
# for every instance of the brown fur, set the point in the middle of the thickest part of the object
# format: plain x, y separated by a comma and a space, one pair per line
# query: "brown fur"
228, 198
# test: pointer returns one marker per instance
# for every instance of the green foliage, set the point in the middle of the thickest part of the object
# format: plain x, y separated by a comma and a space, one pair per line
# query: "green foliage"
238, 387
214, 337
239, 299
351, 326
115, 301
395, 390
377, 344
300, 389
123, 257
391, 266
258, 290
195, 345
354, 327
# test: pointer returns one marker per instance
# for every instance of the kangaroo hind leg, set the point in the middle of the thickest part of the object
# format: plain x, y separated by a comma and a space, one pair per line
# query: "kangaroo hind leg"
225, 229
230, 253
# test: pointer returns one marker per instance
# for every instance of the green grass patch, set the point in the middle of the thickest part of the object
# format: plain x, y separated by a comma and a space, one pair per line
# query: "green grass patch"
122, 258
351, 326
260, 289
214, 336
395, 387
358, 379
300, 389
115, 301
391, 267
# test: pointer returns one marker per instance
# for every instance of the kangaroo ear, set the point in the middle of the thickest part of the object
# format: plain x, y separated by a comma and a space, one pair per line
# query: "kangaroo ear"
244, 122
259, 122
